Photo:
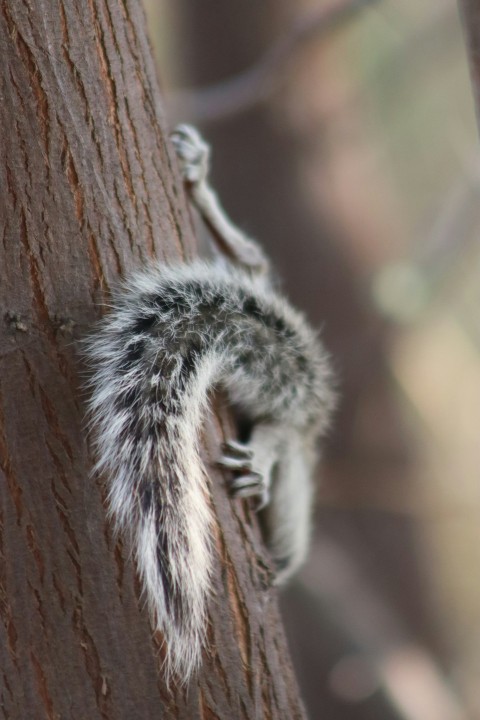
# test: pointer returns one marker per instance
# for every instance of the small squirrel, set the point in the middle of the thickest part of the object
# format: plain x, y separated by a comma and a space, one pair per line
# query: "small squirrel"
172, 334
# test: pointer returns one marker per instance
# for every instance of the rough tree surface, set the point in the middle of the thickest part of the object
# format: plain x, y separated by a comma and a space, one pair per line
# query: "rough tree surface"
88, 191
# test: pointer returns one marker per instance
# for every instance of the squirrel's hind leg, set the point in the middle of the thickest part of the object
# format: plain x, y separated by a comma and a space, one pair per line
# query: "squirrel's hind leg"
254, 462
276, 467
194, 155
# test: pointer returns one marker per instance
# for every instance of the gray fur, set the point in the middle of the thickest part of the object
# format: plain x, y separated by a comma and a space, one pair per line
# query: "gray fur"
173, 334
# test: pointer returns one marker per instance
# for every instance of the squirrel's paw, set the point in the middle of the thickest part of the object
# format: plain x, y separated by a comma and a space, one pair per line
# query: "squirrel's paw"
247, 481
193, 153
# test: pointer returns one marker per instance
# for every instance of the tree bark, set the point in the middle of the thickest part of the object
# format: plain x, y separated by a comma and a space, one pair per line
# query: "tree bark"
90, 190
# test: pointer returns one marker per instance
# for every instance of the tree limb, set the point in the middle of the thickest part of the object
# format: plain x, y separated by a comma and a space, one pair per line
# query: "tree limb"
258, 83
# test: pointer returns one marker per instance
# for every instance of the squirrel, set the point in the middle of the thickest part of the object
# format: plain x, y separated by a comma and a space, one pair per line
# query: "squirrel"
172, 334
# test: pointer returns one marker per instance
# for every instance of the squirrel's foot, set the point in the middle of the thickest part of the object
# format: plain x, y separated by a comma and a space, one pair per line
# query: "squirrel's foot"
247, 481
193, 153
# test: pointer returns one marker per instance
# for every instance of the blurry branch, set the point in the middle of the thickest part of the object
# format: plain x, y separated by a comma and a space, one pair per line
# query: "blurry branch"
406, 673
253, 86
470, 14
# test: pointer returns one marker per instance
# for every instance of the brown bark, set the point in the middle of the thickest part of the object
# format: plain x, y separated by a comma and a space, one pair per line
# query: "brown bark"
88, 192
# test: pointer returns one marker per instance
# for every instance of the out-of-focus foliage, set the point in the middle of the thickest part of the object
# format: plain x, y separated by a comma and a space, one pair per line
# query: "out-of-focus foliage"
417, 124
384, 107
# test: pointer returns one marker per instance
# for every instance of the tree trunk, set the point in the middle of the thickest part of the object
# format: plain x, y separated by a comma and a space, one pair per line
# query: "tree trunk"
88, 192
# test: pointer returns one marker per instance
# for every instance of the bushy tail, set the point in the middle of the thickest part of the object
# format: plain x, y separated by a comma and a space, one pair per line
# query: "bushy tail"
146, 429
170, 528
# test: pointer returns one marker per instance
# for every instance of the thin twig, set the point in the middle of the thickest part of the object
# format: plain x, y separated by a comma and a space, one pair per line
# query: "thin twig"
255, 85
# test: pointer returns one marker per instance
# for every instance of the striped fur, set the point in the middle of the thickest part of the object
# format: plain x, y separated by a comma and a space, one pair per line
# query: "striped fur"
172, 335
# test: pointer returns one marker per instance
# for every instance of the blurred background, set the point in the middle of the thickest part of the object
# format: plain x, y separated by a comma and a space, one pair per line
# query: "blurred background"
345, 140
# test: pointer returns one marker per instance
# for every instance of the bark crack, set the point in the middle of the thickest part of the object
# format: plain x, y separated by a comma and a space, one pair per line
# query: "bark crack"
92, 663
42, 688
35, 550
6, 464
